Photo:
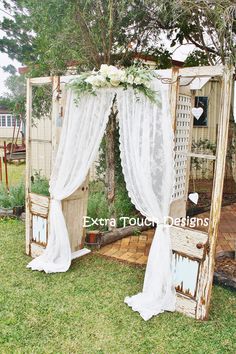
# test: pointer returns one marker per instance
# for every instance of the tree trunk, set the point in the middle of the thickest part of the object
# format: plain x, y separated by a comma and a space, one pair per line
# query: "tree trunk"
110, 162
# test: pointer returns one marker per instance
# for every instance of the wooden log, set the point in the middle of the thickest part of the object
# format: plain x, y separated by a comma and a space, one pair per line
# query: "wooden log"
117, 234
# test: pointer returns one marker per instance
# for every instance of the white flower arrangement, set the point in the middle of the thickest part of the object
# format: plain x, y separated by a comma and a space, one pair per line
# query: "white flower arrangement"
111, 76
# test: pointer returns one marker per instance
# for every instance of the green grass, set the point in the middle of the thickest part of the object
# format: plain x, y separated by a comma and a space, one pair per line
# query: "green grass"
16, 174
82, 311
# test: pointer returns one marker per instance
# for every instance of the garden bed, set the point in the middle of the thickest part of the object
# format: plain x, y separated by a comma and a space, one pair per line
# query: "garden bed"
225, 269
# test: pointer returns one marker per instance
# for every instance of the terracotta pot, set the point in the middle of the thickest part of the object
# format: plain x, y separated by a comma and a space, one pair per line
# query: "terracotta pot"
92, 237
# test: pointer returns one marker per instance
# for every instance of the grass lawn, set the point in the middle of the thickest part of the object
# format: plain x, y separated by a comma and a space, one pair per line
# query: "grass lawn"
82, 311
16, 174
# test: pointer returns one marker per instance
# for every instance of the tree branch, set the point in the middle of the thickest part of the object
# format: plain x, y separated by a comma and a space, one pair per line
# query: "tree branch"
88, 38
110, 30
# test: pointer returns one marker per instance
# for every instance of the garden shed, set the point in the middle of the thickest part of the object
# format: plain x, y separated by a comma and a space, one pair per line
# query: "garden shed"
193, 250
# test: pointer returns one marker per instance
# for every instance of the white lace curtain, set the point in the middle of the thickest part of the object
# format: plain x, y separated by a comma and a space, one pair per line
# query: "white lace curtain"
82, 132
146, 144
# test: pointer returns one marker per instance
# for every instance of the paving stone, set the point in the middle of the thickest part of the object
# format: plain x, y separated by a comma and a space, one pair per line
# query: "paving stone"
135, 249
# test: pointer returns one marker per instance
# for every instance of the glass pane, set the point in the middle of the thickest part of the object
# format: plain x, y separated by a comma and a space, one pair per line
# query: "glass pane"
3, 121
201, 117
9, 121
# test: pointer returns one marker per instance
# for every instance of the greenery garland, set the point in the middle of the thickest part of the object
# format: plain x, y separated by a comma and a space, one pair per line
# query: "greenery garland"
111, 76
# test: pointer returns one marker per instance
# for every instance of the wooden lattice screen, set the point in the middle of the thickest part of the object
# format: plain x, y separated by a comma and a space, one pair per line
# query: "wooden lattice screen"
182, 147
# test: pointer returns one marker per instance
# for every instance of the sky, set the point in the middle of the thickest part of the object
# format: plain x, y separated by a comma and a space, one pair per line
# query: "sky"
4, 60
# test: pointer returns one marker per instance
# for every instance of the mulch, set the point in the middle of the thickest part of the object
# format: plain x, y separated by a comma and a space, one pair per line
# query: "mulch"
225, 270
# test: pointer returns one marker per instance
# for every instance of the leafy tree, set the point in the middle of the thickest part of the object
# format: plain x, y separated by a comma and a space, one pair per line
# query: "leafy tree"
53, 33
47, 35
209, 25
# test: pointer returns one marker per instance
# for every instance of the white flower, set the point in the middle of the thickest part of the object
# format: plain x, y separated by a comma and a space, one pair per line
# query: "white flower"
138, 80
90, 79
130, 79
115, 83
147, 84
96, 80
101, 81
104, 70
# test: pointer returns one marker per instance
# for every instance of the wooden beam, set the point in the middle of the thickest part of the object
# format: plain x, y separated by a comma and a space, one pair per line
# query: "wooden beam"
28, 165
39, 81
202, 156
207, 267
198, 71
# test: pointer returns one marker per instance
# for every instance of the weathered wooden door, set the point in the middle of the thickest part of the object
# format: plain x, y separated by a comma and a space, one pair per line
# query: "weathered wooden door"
193, 250
42, 139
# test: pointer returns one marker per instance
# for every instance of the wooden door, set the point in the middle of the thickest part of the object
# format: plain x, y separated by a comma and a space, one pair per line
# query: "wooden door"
42, 142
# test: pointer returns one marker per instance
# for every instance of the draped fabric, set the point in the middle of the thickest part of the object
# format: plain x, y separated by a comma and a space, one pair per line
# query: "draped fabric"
82, 132
146, 144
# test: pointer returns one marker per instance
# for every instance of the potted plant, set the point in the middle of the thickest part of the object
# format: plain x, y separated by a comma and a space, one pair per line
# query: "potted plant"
17, 199
92, 238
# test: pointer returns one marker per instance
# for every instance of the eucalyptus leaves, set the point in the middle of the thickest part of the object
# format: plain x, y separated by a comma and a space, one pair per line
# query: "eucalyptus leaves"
111, 76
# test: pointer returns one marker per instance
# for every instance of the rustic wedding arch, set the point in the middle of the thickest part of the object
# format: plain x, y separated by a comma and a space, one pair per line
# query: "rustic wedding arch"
192, 245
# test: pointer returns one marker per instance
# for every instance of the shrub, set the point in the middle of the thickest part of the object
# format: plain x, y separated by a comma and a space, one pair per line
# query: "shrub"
14, 197
97, 203
40, 184
17, 195
98, 206
5, 201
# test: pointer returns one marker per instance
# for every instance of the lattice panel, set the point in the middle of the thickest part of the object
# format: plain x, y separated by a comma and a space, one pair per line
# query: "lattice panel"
183, 120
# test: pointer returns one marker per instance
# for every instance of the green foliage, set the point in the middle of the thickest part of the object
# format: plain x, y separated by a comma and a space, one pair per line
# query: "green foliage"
203, 146
16, 85
98, 206
42, 102
40, 184
123, 205
97, 202
17, 195
196, 58
53, 33
14, 197
4, 197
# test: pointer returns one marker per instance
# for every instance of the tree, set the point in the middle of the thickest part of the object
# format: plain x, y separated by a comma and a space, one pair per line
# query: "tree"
47, 35
209, 25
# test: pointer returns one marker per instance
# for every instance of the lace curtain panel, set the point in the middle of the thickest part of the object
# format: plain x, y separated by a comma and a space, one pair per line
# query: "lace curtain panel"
82, 132
146, 144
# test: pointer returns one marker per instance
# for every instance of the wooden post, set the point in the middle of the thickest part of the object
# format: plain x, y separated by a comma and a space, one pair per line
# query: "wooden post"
188, 163
5, 163
28, 162
55, 113
174, 94
0, 169
207, 267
